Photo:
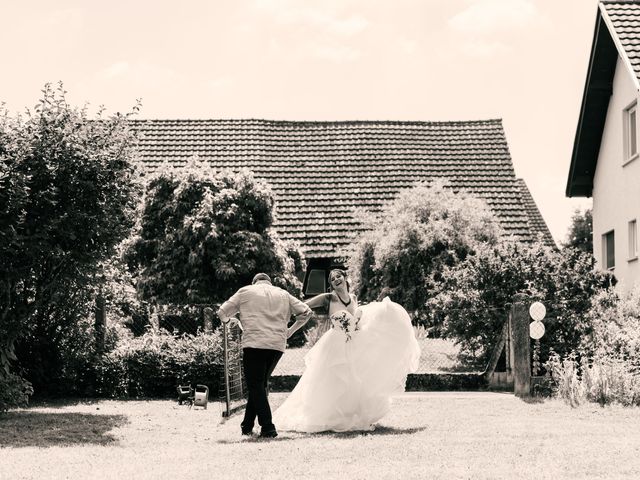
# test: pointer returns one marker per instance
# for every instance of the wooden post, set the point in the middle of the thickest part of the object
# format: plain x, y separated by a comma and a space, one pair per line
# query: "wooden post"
100, 323
208, 319
521, 357
225, 352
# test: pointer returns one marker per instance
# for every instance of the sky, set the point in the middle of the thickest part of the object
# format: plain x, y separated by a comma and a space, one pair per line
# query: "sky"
523, 61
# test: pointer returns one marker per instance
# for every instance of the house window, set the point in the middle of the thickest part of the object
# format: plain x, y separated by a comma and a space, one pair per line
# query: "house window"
316, 282
609, 250
633, 240
631, 133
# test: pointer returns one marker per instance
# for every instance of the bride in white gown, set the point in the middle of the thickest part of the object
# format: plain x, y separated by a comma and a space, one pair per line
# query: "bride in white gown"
354, 369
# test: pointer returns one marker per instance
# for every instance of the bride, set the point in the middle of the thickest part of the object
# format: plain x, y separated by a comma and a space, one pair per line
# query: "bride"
353, 370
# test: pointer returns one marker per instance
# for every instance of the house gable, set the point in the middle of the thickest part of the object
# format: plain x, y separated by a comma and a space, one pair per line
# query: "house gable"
617, 34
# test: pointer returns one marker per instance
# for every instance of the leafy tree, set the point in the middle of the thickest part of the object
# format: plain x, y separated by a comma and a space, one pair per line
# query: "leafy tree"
580, 233
204, 234
475, 296
67, 198
413, 239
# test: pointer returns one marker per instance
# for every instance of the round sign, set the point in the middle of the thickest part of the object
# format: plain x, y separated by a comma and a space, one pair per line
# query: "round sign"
537, 311
536, 329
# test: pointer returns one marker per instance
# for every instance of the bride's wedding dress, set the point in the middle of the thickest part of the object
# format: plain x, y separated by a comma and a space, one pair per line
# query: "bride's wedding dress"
352, 371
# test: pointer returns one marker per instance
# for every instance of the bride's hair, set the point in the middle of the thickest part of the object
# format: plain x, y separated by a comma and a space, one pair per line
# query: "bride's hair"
344, 274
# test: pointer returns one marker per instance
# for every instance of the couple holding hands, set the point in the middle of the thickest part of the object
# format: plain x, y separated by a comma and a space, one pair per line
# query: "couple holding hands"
351, 372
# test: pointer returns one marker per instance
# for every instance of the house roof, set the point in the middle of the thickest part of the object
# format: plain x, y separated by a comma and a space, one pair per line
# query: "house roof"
321, 171
617, 34
537, 225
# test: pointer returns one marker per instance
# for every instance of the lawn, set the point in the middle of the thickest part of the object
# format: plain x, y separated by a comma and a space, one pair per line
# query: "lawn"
427, 435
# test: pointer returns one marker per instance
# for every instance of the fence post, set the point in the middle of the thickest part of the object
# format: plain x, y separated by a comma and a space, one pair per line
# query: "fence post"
521, 355
208, 319
100, 323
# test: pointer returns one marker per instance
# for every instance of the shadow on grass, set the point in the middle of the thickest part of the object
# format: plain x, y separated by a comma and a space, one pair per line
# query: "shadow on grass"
37, 429
379, 431
288, 436
533, 399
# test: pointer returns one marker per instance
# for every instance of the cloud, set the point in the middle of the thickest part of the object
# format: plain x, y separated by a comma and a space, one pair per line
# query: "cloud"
336, 53
482, 49
286, 12
488, 16
220, 83
65, 18
139, 73
116, 70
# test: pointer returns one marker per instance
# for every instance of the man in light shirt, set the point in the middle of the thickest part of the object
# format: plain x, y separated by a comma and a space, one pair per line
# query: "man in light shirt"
264, 312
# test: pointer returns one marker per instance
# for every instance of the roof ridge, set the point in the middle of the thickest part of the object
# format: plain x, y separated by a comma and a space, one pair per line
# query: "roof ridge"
323, 122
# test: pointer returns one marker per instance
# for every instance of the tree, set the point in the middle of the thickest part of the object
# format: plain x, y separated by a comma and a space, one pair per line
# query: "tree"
203, 234
412, 240
68, 193
580, 233
474, 299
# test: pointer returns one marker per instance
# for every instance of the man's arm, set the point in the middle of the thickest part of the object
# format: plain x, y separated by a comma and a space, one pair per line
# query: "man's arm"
230, 309
302, 312
299, 323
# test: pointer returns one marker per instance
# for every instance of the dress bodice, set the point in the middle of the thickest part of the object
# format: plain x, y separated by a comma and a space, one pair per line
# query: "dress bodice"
345, 322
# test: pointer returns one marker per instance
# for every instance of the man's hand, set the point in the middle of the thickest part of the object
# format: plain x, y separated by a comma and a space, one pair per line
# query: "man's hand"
301, 319
231, 322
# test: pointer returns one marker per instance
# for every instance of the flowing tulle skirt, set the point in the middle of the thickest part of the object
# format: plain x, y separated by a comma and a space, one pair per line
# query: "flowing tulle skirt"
347, 385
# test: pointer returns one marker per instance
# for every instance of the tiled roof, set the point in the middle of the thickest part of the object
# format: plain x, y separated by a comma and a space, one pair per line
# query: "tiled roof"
625, 19
320, 171
536, 222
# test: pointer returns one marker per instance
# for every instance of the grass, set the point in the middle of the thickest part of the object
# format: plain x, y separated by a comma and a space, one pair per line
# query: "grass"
426, 435
437, 355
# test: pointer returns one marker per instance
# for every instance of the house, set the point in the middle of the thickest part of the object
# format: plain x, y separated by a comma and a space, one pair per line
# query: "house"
604, 163
321, 171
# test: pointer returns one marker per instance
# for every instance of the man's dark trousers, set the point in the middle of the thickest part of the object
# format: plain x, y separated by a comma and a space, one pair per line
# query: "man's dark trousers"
259, 364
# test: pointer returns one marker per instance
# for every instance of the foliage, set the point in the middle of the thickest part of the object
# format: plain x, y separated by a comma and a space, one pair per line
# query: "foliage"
14, 392
413, 240
605, 379
580, 233
475, 296
202, 235
154, 364
615, 319
67, 198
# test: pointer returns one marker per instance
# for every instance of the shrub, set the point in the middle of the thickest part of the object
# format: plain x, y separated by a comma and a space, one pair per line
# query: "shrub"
152, 365
68, 191
14, 392
604, 380
474, 298
615, 320
413, 239
203, 234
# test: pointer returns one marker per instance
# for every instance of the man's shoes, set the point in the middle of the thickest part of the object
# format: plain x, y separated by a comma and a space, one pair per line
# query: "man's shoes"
247, 432
269, 434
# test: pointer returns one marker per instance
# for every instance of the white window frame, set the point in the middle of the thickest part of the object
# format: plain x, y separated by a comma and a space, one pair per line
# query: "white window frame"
630, 130
633, 240
605, 250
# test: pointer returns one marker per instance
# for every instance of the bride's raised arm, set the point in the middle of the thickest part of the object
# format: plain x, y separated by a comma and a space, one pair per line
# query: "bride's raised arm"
321, 300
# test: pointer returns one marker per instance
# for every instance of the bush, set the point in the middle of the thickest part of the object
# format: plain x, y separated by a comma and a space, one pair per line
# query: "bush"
68, 191
474, 298
426, 229
154, 364
14, 392
604, 380
615, 320
203, 234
